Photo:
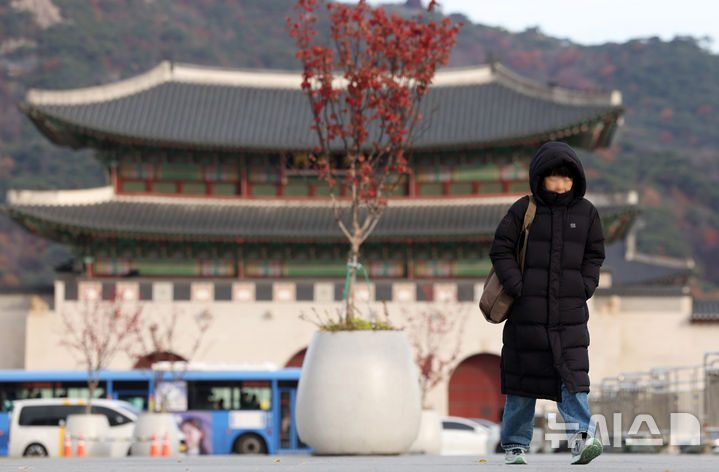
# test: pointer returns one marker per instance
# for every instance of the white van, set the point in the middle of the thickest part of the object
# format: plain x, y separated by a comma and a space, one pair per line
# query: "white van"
35, 425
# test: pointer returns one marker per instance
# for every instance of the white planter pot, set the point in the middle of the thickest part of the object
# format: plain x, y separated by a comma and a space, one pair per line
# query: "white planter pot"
358, 394
157, 424
429, 438
94, 430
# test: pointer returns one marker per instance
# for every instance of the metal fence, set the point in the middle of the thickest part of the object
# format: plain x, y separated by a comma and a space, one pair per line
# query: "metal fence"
639, 405
711, 393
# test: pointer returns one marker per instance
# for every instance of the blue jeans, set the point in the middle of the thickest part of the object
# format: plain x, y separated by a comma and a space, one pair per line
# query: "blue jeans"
518, 418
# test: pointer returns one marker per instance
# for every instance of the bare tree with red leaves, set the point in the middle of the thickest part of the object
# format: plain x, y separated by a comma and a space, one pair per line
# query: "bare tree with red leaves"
96, 332
365, 91
434, 335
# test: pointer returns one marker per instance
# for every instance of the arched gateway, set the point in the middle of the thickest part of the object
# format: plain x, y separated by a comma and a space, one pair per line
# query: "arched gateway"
146, 361
297, 359
474, 388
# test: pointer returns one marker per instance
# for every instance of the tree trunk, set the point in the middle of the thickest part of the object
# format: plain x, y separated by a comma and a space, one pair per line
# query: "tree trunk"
91, 386
350, 302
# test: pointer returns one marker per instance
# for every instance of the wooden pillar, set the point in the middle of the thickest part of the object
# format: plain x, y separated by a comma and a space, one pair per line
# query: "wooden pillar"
240, 260
89, 260
409, 261
412, 191
605, 130
243, 178
114, 180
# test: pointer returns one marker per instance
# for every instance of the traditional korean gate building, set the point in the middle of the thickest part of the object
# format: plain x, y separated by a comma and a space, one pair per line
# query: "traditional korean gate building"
211, 204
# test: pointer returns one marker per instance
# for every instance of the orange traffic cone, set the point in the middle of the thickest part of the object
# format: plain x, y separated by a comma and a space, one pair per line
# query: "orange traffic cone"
80, 446
166, 445
153, 446
68, 446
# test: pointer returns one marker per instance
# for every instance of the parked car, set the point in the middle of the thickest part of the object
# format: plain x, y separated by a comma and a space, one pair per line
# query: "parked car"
494, 439
35, 424
462, 436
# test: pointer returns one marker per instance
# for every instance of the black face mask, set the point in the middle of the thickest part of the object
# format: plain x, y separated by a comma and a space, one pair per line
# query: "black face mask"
556, 199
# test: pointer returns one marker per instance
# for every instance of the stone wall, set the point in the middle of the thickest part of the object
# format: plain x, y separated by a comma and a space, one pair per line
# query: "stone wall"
628, 333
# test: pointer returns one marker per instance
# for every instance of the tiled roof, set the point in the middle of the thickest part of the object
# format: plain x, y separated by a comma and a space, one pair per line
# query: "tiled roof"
27, 289
644, 291
257, 219
643, 271
705, 310
185, 105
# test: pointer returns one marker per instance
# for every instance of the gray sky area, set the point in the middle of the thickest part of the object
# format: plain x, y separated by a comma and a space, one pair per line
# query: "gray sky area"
595, 22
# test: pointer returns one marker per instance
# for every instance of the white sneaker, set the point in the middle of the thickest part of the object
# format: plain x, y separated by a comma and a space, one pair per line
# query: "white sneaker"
515, 456
585, 448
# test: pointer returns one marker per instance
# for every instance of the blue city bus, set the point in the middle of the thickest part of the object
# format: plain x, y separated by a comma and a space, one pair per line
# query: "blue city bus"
220, 411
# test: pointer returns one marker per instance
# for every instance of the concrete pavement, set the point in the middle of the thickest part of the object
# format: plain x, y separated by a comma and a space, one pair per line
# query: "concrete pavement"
409, 463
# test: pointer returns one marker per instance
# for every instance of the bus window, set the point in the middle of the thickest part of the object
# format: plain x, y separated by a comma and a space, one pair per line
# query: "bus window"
77, 390
237, 395
255, 395
208, 395
138, 401
25, 390
10, 391
5, 401
134, 392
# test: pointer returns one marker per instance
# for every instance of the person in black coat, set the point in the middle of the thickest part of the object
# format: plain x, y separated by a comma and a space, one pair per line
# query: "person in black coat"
545, 338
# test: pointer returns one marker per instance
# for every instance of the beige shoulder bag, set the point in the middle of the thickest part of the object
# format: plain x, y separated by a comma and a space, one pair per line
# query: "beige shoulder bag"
495, 302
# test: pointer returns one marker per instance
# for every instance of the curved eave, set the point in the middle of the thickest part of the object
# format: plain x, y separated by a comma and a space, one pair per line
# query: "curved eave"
559, 133
678, 274
84, 136
618, 224
167, 71
439, 223
67, 233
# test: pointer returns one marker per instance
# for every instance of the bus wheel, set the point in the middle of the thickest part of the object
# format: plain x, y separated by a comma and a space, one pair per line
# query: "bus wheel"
35, 449
249, 444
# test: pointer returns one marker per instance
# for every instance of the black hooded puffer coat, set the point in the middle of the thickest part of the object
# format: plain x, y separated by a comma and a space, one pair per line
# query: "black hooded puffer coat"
545, 337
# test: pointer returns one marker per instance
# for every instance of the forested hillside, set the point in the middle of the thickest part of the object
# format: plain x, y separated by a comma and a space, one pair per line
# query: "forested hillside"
668, 148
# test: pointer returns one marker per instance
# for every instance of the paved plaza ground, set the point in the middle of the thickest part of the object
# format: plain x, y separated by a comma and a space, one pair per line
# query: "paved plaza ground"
410, 463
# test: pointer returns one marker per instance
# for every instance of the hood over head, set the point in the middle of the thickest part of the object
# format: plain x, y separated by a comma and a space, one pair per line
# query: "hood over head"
551, 155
